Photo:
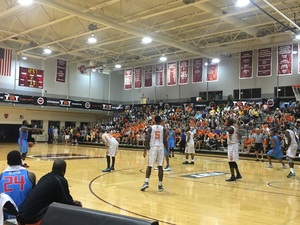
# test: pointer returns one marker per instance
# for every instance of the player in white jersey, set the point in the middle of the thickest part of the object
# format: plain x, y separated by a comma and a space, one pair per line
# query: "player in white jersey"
233, 150
189, 146
157, 140
112, 146
292, 146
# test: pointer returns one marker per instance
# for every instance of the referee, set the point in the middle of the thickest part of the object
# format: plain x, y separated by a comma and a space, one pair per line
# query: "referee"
258, 143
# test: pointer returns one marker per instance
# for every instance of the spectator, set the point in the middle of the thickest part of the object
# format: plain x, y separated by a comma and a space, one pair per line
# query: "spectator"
52, 187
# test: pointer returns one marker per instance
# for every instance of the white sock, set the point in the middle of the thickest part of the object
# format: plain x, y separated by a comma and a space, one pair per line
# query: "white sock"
147, 180
159, 183
292, 170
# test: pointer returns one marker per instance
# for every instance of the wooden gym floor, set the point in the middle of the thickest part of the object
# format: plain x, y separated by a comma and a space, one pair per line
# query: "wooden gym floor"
194, 194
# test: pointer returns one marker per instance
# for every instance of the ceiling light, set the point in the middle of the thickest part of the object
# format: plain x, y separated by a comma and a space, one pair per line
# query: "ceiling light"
146, 40
298, 36
25, 2
163, 58
242, 3
92, 39
24, 57
215, 60
206, 64
47, 51
118, 66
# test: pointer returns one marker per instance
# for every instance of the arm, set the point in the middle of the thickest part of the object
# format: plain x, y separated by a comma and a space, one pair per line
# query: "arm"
32, 178
288, 138
147, 141
165, 140
272, 143
31, 129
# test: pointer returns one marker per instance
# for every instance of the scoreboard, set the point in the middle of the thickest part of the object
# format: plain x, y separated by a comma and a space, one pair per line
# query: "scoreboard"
30, 77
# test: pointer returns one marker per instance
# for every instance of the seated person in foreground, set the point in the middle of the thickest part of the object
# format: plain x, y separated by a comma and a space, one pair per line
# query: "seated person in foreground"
52, 187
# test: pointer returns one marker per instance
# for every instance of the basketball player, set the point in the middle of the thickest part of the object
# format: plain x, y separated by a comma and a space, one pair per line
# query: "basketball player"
258, 138
16, 181
291, 141
23, 142
157, 140
112, 146
233, 150
190, 146
171, 141
276, 151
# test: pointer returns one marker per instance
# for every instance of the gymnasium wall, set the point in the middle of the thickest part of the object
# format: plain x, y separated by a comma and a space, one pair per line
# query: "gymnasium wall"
16, 114
110, 88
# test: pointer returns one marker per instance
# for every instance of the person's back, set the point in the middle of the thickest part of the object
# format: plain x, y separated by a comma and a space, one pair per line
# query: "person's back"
15, 180
157, 136
52, 187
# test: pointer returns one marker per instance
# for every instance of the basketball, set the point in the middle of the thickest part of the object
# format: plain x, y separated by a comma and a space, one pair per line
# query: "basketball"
30, 144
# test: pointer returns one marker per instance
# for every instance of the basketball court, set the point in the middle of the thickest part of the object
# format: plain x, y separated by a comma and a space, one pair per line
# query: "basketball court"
193, 194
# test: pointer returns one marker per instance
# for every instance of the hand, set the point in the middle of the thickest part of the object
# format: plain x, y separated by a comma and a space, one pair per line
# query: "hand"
145, 153
78, 203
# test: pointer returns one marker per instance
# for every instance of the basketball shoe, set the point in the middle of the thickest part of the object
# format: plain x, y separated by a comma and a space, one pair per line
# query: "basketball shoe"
145, 186
160, 188
291, 175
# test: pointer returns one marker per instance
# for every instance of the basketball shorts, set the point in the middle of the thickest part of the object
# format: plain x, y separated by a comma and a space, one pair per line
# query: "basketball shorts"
112, 149
190, 148
171, 143
292, 150
233, 152
156, 155
23, 145
276, 153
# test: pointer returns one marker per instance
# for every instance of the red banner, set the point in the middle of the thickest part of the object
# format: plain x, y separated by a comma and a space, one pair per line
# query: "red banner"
264, 62
172, 74
148, 76
246, 65
138, 77
29, 77
128, 79
284, 60
197, 70
212, 73
159, 75
184, 72
61, 67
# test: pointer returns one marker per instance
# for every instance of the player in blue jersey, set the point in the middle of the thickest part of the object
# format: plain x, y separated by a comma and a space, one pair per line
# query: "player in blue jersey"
16, 181
171, 141
23, 142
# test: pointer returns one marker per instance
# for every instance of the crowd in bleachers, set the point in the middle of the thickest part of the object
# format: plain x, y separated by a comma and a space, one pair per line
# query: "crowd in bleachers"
209, 124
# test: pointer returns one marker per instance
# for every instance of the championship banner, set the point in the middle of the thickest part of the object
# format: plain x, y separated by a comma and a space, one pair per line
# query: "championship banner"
138, 77
128, 79
61, 67
298, 58
212, 73
284, 60
246, 65
159, 75
197, 70
29, 77
172, 74
184, 72
264, 62
148, 70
